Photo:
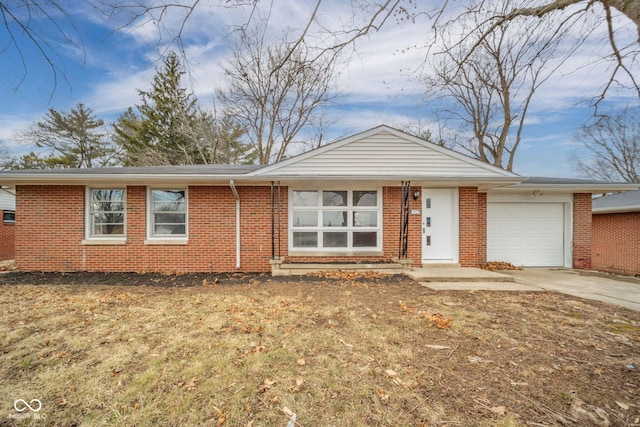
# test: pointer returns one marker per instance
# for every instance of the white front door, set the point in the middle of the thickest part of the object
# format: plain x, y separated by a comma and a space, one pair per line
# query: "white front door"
439, 225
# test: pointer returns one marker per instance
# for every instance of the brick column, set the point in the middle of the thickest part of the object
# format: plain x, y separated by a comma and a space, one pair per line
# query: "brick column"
469, 246
582, 230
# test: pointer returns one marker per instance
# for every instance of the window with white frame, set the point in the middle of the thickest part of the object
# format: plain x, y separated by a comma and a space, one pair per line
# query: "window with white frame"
9, 216
167, 213
106, 212
335, 219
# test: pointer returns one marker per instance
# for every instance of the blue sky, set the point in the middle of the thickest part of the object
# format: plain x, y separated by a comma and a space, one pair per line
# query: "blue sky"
104, 70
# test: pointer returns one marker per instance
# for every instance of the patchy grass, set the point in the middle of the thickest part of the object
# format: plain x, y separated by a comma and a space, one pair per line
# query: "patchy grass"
334, 352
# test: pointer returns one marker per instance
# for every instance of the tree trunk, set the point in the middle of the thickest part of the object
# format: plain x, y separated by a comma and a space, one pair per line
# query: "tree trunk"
630, 8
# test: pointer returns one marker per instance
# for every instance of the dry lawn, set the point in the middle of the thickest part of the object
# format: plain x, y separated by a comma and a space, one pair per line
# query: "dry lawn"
334, 352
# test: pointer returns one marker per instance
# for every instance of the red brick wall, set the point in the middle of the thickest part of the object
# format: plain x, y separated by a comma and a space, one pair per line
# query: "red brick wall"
470, 226
49, 227
582, 230
50, 232
616, 243
7, 239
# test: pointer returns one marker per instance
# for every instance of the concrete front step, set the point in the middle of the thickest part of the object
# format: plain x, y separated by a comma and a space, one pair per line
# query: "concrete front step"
286, 269
428, 273
457, 274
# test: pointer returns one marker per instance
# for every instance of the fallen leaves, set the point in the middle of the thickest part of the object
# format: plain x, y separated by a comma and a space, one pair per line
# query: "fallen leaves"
188, 385
406, 309
298, 386
266, 385
384, 396
349, 275
498, 266
222, 417
436, 319
319, 353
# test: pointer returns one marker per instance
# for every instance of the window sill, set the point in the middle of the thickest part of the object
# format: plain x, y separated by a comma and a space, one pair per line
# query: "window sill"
319, 253
181, 241
99, 242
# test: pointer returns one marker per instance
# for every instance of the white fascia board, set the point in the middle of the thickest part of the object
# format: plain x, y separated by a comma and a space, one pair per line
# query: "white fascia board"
620, 209
573, 188
113, 179
483, 183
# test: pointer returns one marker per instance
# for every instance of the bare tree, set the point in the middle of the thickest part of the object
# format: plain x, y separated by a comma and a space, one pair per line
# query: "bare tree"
490, 90
44, 25
216, 140
369, 17
611, 147
559, 15
275, 91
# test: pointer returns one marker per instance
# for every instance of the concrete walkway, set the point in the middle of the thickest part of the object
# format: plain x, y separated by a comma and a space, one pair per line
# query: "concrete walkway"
619, 290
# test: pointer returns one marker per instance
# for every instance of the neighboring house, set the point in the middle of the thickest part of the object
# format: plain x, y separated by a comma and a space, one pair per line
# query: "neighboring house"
7, 226
380, 196
616, 233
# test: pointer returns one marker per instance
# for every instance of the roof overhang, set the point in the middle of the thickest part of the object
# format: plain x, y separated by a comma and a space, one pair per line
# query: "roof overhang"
483, 183
593, 188
621, 209
115, 179
97, 179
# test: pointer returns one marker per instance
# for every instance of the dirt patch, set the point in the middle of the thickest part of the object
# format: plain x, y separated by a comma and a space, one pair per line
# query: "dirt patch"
250, 350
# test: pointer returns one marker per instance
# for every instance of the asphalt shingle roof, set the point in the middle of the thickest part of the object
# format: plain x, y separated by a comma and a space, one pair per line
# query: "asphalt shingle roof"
149, 170
625, 201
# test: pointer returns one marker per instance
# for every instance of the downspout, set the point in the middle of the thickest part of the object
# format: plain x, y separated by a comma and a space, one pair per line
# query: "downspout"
232, 184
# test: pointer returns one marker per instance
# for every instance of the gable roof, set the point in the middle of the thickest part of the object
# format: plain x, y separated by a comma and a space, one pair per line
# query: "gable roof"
628, 201
384, 152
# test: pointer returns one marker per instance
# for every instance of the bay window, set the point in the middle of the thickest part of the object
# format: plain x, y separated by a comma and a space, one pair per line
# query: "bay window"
335, 220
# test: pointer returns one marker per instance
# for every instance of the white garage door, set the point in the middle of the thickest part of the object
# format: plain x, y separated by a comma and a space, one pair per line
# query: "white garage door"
526, 234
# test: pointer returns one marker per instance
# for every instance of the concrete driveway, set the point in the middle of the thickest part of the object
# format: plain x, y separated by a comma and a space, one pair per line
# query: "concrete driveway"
617, 290
620, 290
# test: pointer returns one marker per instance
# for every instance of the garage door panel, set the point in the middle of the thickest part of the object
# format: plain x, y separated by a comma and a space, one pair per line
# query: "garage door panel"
526, 234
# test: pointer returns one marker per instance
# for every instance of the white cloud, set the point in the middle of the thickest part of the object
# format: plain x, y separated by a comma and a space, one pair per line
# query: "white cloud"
10, 125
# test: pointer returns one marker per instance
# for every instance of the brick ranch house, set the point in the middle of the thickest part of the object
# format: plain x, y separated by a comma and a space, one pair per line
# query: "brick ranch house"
7, 225
381, 196
616, 233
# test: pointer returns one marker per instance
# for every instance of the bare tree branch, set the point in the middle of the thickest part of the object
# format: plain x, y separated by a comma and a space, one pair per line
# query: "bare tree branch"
611, 147
489, 90
273, 98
